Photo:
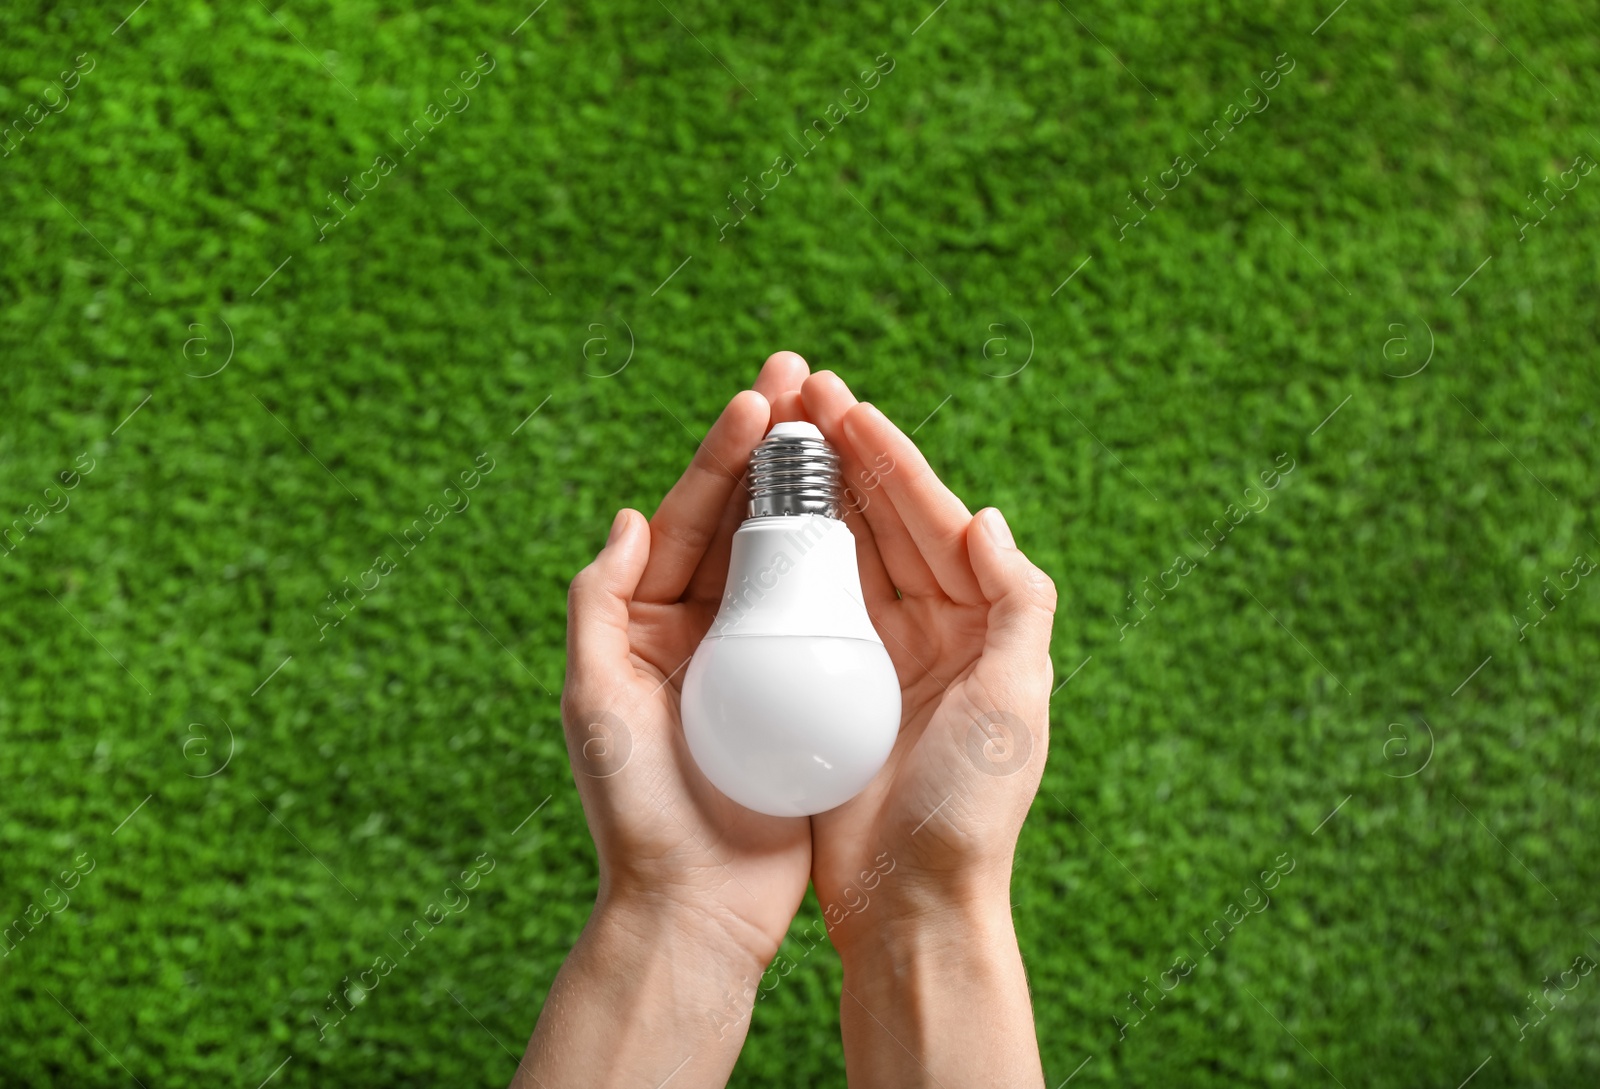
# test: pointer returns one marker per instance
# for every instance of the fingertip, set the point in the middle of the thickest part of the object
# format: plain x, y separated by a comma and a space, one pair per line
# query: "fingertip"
1002, 569
829, 379
628, 530
748, 401
751, 414
829, 386
783, 371
992, 551
820, 404
826, 400
619, 526
610, 570
626, 552
864, 422
787, 408
994, 524
624, 524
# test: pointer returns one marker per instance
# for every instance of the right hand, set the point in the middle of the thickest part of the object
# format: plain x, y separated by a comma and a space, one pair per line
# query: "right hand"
932, 836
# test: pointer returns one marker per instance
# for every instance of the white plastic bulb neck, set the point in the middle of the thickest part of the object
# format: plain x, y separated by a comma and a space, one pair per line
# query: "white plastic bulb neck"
793, 575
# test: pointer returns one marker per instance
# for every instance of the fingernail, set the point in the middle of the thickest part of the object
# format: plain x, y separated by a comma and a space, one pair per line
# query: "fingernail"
995, 522
616, 527
874, 412
830, 376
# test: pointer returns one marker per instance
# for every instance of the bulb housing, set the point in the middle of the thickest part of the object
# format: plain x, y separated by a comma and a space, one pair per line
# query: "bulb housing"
791, 704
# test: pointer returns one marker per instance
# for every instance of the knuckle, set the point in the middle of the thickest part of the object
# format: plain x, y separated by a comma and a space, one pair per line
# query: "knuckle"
1040, 588
1047, 591
690, 538
580, 587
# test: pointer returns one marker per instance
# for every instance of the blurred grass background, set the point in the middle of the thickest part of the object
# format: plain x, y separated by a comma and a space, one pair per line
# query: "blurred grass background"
566, 220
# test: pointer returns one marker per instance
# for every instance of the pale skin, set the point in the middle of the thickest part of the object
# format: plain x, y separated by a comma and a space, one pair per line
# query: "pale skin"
696, 893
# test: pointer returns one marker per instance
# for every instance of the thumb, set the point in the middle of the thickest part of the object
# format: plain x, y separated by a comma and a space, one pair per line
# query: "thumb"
597, 607
1022, 600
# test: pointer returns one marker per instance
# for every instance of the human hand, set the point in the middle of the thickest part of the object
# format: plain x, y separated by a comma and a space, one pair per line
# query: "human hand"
695, 892
664, 834
917, 867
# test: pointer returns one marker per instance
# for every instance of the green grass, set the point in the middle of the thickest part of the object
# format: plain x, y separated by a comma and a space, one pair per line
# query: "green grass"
594, 160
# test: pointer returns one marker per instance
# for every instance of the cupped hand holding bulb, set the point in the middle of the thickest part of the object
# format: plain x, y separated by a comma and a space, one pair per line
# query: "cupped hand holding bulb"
931, 955
697, 892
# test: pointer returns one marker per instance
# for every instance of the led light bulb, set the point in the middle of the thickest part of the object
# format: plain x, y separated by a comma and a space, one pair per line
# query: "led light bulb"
791, 705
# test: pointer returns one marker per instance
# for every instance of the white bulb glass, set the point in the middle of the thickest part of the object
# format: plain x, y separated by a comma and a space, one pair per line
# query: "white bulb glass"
791, 704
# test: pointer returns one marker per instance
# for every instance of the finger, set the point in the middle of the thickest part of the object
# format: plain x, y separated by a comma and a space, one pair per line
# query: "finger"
779, 382
787, 407
783, 371
936, 520
712, 575
877, 588
827, 401
1022, 601
597, 611
687, 519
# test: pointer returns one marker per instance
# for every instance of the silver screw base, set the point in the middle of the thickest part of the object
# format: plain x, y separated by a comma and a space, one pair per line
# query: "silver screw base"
795, 471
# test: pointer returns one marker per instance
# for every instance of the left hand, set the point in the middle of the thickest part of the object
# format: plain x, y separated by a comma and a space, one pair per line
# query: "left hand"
668, 841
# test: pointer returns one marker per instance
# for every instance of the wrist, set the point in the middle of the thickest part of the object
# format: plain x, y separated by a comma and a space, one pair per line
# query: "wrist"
727, 948
914, 931
649, 989
908, 915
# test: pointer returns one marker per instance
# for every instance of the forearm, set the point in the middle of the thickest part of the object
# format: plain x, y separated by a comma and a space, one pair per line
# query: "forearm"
645, 994
939, 1001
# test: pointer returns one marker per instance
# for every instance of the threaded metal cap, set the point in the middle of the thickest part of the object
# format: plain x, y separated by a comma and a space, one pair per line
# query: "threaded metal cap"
795, 471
